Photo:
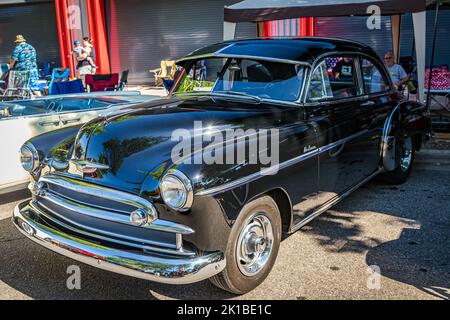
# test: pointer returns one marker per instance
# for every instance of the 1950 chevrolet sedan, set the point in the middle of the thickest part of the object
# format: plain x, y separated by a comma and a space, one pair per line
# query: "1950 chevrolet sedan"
256, 139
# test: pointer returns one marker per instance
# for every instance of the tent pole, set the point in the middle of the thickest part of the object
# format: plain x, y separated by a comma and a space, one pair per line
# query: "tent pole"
395, 29
433, 49
420, 26
229, 30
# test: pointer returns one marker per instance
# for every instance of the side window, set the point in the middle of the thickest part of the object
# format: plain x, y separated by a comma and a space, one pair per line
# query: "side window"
374, 81
74, 105
334, 78
319, 86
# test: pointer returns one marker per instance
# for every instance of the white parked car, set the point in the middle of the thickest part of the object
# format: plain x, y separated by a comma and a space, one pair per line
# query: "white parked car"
22, 120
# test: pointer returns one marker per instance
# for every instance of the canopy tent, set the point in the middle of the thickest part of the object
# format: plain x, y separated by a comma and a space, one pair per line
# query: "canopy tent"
435, 4
265, 10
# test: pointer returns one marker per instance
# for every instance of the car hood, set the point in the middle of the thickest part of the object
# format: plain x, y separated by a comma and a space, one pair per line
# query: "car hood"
136, 143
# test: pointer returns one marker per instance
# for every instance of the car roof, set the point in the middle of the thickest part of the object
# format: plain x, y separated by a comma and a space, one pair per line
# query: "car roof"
302, 49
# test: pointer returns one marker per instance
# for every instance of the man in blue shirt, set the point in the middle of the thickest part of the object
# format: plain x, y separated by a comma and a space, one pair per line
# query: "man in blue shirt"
24, 59
398, 74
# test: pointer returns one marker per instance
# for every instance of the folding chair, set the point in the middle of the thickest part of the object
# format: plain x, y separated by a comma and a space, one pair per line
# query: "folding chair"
4, 69
102, 82
18, 86
123, 81
58, 75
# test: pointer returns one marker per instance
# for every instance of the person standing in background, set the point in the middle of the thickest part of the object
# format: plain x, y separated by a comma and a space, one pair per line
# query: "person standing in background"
84, 66
89, 49
24, 58
398, 74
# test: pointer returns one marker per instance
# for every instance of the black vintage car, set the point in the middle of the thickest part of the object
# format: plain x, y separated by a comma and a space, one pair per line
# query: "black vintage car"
159, 190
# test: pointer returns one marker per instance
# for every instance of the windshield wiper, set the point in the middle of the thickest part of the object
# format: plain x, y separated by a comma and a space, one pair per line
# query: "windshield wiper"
236, 93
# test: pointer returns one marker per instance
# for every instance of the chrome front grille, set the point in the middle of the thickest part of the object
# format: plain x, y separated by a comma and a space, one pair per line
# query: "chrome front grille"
103, 213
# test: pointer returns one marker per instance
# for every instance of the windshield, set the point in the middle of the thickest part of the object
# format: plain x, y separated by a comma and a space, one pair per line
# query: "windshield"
38, 107
244, 78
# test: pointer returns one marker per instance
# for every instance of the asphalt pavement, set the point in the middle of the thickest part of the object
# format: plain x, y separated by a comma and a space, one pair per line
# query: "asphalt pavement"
401, 232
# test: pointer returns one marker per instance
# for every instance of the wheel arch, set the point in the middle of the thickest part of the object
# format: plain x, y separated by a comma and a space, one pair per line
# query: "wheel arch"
284, 203
407, 117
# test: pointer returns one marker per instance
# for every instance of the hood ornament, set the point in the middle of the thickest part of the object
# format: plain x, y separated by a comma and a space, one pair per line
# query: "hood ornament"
86, 167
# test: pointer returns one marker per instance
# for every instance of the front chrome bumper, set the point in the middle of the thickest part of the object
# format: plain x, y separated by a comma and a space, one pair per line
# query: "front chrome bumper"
158, 268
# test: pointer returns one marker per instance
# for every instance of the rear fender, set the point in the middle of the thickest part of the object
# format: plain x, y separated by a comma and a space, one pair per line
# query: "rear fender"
407, 118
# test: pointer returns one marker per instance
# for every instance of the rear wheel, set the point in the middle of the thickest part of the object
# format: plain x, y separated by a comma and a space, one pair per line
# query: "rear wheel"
252, 247
405, 155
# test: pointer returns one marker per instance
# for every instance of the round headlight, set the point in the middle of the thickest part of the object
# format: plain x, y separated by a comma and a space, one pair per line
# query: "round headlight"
29, 157
176, 190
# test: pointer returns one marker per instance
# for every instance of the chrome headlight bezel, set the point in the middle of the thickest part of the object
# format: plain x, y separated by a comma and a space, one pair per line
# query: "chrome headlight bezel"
184, 184
33, 155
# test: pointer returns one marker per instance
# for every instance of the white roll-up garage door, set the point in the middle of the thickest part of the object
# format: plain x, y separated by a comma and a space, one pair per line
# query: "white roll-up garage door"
37, 23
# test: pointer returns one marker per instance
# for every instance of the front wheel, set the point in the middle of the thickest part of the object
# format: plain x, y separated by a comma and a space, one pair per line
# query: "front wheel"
405, 156
252, 247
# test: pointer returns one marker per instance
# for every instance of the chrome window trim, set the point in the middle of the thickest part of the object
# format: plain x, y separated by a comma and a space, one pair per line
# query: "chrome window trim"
257, 175
221, 55
359, 76
351, 53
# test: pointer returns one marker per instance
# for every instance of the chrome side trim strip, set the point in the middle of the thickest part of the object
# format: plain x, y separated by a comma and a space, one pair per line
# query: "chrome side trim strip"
119, 196
159, 268
332, 202
281, 166
97, 235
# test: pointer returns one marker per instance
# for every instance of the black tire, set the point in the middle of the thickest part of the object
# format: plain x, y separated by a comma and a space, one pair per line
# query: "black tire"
232, 279
401, 174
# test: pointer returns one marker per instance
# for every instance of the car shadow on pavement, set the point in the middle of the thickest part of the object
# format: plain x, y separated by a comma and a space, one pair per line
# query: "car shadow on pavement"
417, 260
419, 257
41, 274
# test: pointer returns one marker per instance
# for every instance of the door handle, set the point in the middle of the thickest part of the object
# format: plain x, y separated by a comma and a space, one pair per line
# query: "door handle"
67, 121
367, 104
49, 123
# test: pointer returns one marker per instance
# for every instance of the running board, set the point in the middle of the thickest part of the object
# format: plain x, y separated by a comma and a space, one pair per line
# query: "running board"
333, 202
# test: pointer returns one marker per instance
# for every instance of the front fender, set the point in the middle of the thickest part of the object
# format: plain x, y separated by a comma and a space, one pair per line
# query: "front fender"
55, 143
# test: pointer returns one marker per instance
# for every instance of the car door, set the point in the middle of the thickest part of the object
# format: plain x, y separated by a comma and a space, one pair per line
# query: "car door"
380, 99
348, 149
27, 119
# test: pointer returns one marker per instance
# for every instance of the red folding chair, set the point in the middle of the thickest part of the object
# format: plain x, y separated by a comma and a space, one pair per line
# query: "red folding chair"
102, 82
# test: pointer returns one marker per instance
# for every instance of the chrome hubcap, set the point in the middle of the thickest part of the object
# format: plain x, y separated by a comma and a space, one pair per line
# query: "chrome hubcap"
255, 244
407, 152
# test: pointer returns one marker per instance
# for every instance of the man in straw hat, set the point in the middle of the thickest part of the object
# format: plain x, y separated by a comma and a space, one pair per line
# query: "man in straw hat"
24, 59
